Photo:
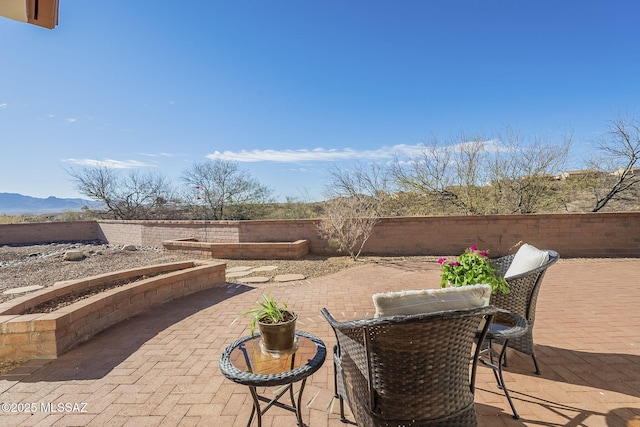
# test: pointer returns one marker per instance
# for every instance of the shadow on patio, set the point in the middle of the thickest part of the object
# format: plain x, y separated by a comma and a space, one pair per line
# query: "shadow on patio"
161, 368
123, 339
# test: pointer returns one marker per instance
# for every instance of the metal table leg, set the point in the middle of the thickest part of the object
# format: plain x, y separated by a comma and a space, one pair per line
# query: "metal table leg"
497, 372
294, 407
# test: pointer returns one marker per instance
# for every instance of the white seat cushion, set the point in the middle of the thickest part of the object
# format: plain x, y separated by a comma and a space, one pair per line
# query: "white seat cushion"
527, 258
431, 300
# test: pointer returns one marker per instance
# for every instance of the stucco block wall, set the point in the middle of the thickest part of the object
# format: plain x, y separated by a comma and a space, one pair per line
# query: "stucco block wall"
46, 232
575, 235
152, 233
572, 235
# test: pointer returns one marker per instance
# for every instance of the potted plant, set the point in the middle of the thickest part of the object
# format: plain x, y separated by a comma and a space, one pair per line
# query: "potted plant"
276, 323
472, 268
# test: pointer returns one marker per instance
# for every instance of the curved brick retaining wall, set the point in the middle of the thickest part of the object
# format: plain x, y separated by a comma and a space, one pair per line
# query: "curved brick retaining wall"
48, 335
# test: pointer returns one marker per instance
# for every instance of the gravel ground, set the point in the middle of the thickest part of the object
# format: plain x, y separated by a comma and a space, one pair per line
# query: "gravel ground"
44, 264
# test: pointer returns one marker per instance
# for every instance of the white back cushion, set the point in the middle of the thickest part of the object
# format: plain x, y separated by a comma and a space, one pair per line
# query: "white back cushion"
431, 300
527, 258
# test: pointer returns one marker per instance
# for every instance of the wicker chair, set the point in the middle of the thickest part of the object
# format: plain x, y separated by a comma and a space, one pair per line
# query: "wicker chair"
522, 299
410, 370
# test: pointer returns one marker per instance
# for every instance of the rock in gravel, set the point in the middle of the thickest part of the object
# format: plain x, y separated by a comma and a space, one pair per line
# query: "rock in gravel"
288, 277
73, 256
19, 269
130, 248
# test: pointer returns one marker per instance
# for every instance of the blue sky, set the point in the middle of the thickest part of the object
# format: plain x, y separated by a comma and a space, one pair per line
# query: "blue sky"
291, 88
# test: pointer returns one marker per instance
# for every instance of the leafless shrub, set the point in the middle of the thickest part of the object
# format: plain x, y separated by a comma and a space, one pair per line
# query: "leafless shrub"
348, 223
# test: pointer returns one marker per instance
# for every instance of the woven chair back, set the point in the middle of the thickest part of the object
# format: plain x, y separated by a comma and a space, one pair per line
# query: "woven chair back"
411, 370
524, 288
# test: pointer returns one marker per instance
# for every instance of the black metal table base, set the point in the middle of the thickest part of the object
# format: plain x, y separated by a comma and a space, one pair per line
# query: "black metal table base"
509, 325
497, 372
294, 407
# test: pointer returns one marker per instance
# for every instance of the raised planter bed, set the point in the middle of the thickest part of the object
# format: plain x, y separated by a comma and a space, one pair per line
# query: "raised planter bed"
48, 335
248, 250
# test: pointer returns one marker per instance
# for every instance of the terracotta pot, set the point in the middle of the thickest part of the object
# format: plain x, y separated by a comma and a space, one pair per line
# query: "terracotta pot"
278, 336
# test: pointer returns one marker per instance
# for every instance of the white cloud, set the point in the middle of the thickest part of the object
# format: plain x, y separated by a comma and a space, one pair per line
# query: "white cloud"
162, 154
401, 151
71, 120
3, 105
109, 163
314, 155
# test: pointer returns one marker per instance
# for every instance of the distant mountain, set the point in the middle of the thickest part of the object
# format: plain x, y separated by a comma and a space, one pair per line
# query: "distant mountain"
17, 204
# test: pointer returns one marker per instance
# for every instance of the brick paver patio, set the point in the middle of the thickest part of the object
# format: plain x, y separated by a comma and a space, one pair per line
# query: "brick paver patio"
161, 367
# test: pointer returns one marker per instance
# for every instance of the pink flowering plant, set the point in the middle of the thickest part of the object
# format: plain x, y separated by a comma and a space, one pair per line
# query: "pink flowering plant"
471, 268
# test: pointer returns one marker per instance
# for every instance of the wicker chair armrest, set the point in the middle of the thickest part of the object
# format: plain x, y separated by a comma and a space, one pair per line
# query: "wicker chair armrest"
506, 325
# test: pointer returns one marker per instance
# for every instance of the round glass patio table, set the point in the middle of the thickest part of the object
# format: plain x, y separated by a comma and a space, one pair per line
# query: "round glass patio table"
246, 362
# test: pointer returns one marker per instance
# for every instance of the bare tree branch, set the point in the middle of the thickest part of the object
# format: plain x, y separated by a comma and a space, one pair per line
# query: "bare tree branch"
620, 149
224, 184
